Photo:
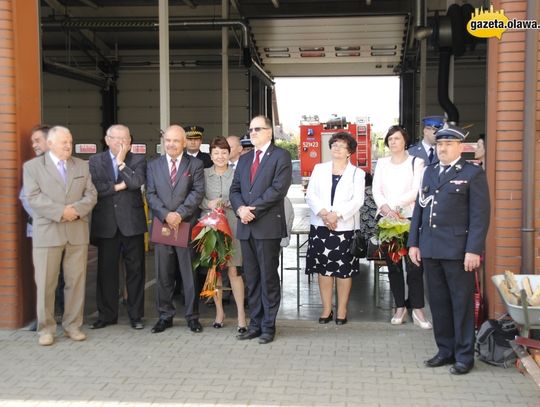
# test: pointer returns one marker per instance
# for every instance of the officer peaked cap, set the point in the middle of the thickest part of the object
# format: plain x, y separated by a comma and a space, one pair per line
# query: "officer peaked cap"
246, 141
451, 132
433, 121
194, 131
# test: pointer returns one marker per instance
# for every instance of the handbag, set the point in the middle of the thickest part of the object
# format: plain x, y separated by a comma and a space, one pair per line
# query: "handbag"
358, 246
372, 250
479, 312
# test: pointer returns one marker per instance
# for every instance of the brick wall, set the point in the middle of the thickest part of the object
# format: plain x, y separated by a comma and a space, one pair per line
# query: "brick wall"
19, 111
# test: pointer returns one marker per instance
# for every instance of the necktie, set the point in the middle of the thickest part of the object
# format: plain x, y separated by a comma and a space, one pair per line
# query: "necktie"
62, 170
115, 168
173, 171
255, 165
431, 154
443, 170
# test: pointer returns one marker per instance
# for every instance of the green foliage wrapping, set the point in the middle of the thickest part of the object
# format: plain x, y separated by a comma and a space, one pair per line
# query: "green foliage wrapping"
212, 247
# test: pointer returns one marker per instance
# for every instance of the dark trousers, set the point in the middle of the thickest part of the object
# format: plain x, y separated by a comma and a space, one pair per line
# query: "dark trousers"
109, 253
165, 259
260, 264
415, 283
451, 293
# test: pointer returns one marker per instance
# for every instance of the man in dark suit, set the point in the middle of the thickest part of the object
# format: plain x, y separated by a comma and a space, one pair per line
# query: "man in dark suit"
194, 136
426, 148
175, 188
261, 181
448, 232
118, 226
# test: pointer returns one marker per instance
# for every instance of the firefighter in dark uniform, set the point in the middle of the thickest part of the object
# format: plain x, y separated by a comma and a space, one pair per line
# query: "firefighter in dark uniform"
448, 232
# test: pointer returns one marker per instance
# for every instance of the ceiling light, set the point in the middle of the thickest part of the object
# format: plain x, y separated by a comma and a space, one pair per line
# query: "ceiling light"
347, 48
310, 49
383, 53
278, 55
276, 49
383, 47
347, 54
312, 54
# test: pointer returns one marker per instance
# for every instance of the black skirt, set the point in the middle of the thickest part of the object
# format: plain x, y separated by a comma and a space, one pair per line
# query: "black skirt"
328, 253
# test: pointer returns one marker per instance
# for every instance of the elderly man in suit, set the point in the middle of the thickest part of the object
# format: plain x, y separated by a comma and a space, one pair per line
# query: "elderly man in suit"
260, 184
426, 148
118, 226
448, 232
61, 195
175, 188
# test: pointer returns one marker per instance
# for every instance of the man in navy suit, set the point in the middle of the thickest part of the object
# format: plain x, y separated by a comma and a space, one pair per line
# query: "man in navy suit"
175, 188
448, 232
118, 226
426, 148
261, 181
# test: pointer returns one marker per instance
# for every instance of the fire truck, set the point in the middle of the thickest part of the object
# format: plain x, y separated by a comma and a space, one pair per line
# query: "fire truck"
314, 137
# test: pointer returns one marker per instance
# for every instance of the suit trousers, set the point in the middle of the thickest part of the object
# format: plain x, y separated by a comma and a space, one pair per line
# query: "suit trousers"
47, 261
165, 257
260, 264
415, 283
109, 250
451, 294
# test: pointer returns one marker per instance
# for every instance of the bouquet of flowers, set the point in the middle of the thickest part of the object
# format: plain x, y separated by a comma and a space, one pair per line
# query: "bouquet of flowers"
212, 241
392, 234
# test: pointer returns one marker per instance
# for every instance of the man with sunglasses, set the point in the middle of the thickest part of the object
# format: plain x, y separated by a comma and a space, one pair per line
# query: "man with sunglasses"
426, 148
261, 181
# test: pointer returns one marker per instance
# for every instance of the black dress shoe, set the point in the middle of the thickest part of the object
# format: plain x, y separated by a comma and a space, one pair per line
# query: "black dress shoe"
161, 325
437, 361
101, 324
137, 324
327, 319
241, 329
195, 325
248, 335
461, 368
341, 321
266, 338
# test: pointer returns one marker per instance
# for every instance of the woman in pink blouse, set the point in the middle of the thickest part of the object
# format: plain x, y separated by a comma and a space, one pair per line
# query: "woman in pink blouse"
395, 186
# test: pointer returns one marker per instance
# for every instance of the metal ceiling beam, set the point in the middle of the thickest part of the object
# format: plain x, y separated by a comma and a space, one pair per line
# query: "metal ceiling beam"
89, 3
189, 3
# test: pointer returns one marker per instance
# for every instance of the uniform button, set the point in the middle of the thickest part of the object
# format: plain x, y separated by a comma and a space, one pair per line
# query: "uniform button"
434, 226
436, 191
457, 189
434, 214
435, 202
115, 205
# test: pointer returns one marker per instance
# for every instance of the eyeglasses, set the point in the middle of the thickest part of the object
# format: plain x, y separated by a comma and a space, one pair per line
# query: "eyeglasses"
257, 129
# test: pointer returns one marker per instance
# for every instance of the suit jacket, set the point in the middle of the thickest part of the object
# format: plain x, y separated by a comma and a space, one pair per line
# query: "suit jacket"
270, 186
348, 198
122, 210
205, 158
48, 195
418, 150
455, 220
187, 193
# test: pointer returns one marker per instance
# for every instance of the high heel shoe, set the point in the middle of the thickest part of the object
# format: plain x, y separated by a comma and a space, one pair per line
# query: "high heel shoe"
425, 324
398, 320
341, 321
242, 329
327, 319
218, 325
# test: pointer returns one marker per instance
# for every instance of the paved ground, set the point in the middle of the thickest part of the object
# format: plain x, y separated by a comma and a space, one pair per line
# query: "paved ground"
359, 364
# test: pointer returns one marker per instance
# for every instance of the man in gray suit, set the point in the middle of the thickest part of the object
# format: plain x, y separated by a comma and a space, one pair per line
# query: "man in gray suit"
426, 148
61, 195
260, 184
118, 226
175, 188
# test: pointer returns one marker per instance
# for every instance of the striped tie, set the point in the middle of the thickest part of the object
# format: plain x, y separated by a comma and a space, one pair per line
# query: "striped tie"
255, 165
173, 171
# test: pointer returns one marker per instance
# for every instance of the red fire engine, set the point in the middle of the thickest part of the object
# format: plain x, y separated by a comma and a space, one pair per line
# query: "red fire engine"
314, 138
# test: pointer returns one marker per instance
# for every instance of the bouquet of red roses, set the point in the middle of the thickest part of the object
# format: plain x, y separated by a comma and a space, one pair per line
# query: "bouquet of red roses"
392, 235
212, 241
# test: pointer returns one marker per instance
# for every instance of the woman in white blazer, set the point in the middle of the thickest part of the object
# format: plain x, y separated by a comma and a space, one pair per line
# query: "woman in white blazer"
335, 194
396, 183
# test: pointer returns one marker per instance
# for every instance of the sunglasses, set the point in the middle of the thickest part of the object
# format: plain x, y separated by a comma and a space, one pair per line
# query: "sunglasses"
257, 129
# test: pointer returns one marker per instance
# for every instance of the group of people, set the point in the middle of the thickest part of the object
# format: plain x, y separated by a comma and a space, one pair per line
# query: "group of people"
445, 197
73, 203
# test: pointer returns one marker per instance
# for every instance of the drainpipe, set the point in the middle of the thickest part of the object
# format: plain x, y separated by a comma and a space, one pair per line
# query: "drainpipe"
527, 210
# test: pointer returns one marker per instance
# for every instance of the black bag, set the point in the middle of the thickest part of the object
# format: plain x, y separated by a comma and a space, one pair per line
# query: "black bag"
492, 342
358, 246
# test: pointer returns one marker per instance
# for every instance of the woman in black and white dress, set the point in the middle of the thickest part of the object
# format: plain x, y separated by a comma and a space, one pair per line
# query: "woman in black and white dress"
335, 194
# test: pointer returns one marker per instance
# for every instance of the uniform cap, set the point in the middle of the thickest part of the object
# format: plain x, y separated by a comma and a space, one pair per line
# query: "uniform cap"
194, 131
451, 132
246, 141
433, 121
